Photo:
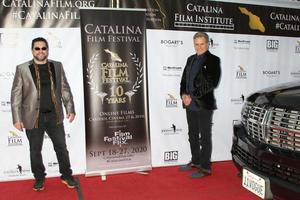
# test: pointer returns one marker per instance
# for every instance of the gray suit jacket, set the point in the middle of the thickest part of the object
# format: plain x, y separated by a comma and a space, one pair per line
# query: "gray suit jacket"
25, 103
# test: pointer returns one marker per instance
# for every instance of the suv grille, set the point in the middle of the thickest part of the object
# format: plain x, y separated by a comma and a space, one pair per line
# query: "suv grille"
275, 126
270, 167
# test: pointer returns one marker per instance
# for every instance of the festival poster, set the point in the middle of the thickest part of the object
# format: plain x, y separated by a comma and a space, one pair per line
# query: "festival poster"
114, 72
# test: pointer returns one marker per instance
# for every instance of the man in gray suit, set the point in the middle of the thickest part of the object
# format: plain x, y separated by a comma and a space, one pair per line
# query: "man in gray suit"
39, 89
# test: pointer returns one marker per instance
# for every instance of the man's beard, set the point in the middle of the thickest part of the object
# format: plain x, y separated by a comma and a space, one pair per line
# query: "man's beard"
41, 58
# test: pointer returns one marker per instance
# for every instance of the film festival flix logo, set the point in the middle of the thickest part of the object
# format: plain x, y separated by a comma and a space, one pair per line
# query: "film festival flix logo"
119, 138
254, 21
14, 139
115, 73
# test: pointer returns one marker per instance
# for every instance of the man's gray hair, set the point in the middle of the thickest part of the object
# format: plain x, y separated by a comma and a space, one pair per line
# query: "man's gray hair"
201, 34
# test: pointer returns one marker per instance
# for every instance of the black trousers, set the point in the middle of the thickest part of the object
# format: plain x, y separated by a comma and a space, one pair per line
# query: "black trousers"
56, 132
200, 137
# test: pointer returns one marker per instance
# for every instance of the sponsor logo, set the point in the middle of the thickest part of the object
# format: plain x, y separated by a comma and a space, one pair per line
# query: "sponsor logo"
170, 156
173, 130
171, 43
295, 74
241, 73
53, 167
172, 68
171, 71
272, 45
5, 106
213, 44
14, 139
1, 34
7, 75
52, 164
171, 101
241, 44
239, 100
54, 40
17, 171
9, 40
119, 138
271, 73
297, 48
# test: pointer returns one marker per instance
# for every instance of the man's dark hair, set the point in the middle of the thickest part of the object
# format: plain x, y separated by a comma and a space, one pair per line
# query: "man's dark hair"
39, 39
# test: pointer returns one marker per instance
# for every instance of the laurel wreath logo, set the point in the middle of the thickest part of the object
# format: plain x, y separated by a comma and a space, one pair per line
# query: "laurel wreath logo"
94, 86
139, 76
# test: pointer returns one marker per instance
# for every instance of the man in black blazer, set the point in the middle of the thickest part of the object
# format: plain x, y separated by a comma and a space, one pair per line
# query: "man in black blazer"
38, 91
200, 77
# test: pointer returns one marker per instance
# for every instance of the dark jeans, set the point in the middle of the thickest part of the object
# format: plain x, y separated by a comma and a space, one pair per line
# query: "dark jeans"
56, 132
200, 138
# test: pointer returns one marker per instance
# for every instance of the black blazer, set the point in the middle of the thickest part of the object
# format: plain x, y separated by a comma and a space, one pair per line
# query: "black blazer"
205, 81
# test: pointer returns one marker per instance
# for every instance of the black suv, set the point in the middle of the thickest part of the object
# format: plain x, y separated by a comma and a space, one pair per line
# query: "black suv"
266, 142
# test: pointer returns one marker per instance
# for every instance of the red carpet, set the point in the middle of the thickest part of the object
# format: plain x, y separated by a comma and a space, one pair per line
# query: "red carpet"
166, 183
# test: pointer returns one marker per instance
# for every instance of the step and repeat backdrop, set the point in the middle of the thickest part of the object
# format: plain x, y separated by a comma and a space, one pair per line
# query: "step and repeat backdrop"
140, 68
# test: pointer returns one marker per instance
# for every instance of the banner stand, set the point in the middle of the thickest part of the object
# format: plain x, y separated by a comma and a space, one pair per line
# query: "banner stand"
115, 91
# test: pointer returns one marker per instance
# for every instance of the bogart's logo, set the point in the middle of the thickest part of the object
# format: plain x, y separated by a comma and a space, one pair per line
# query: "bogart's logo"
114, 73
171, 43
119, 138
271, 73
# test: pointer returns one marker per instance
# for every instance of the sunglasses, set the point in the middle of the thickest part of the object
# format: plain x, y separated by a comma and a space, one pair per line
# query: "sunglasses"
38, 48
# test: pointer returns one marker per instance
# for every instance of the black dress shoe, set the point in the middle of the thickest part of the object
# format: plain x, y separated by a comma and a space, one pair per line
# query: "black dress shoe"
205, 171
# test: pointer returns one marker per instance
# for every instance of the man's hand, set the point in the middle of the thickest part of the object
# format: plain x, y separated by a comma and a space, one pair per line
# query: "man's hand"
186, 99
71, 117
19, 126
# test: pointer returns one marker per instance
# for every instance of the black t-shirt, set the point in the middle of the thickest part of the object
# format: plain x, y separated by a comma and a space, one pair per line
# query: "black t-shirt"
46, 104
